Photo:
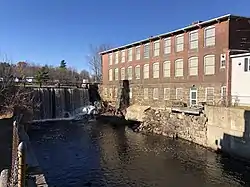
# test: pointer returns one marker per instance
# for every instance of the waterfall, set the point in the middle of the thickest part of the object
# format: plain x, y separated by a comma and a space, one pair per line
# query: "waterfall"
54, 102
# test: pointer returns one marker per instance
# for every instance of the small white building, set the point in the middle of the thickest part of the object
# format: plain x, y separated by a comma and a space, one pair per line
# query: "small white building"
240, 80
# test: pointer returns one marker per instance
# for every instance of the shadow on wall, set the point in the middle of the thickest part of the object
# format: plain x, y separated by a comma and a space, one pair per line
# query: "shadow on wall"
6, 128
94, 93
238, 147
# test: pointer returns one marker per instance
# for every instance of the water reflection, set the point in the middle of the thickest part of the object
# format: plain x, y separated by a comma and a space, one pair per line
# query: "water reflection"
105, 155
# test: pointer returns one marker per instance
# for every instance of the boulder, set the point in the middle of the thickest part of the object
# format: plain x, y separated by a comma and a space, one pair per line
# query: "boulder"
136, 113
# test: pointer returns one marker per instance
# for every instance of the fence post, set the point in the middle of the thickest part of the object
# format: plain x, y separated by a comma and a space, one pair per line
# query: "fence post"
21, 164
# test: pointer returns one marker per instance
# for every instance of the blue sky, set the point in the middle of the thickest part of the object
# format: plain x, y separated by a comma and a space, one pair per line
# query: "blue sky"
47, 31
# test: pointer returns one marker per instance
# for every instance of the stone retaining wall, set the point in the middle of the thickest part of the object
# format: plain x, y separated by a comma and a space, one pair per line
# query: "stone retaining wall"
188, 127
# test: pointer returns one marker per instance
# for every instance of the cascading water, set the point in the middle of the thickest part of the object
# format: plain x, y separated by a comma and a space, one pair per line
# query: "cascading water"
55, 102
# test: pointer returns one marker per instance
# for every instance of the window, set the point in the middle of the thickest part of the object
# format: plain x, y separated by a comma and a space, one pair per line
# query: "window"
116, 57
222, 61
130, 93
155, 93
130, 54
110, 75
166, 69
209, 36
193, 40
209, 94
123, 56
116, 74
179, 68
123, 73
246, 64
115, 92
167, 45
145, 93
146, 71
146, 51
179, 40
179, 93
209, 64
137, 72
156, 70
138, 53
223, 92
193, 66
156, 48
110, 93
130, 73
110, 59
166, 93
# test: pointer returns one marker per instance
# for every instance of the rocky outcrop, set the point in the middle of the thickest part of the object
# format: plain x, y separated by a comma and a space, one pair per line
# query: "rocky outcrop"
189, 127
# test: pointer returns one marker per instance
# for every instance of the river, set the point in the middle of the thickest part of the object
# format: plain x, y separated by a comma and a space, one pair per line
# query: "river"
96, 154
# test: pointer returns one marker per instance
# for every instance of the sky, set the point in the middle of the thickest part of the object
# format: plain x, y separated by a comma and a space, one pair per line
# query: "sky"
48, 31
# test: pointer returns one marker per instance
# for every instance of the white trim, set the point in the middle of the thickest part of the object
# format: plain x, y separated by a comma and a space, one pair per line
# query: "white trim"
240, 55
171, 32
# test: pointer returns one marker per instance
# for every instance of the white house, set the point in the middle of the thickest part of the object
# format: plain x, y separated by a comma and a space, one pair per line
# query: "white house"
240, 82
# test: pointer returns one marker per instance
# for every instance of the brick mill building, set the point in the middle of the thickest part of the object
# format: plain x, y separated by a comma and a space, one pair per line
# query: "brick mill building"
191, 64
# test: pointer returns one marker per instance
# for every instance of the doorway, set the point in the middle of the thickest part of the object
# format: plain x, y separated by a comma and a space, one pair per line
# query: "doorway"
193, 96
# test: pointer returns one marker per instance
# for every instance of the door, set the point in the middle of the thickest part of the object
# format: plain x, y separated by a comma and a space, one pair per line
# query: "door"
193, 96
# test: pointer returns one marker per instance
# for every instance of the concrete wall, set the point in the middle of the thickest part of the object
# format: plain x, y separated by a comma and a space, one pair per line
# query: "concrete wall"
228, 130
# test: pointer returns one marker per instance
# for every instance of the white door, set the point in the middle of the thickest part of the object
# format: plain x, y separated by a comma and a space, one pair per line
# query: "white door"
193, 96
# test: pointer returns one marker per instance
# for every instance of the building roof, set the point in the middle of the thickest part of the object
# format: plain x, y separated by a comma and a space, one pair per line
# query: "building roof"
240, 55
193, 26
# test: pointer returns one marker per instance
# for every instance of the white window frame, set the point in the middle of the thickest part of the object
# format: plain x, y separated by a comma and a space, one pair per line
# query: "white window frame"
116, 72
138, 53
157, 48
130, 75
155, 93
145, 93
177, 68
137, 72
167, 68
123, 56
205, 57
123, 73
130, 54
167, 45
206, 38
116, 57
146, 52
246, 64
206, 94
191, 66
144, 72
222, 91
156, 70
110, 74
110, 57
179, 44
165, 95
194, 41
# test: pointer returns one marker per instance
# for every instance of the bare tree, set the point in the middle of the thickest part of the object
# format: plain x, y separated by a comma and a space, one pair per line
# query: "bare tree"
94, 60
13, 98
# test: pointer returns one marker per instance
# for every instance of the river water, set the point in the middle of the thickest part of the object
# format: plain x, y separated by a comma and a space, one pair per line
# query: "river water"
96, 154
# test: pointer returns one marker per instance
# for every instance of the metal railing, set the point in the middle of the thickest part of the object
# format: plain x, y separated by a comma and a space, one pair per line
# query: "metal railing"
17, 174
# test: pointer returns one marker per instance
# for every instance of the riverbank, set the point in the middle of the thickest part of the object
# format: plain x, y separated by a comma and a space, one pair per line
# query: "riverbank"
217, 128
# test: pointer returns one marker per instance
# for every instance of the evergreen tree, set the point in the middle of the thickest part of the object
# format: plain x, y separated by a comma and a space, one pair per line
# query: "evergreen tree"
42, 75
63, 64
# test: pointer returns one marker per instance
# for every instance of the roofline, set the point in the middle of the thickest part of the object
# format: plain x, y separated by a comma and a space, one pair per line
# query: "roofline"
240, 55
171, 32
